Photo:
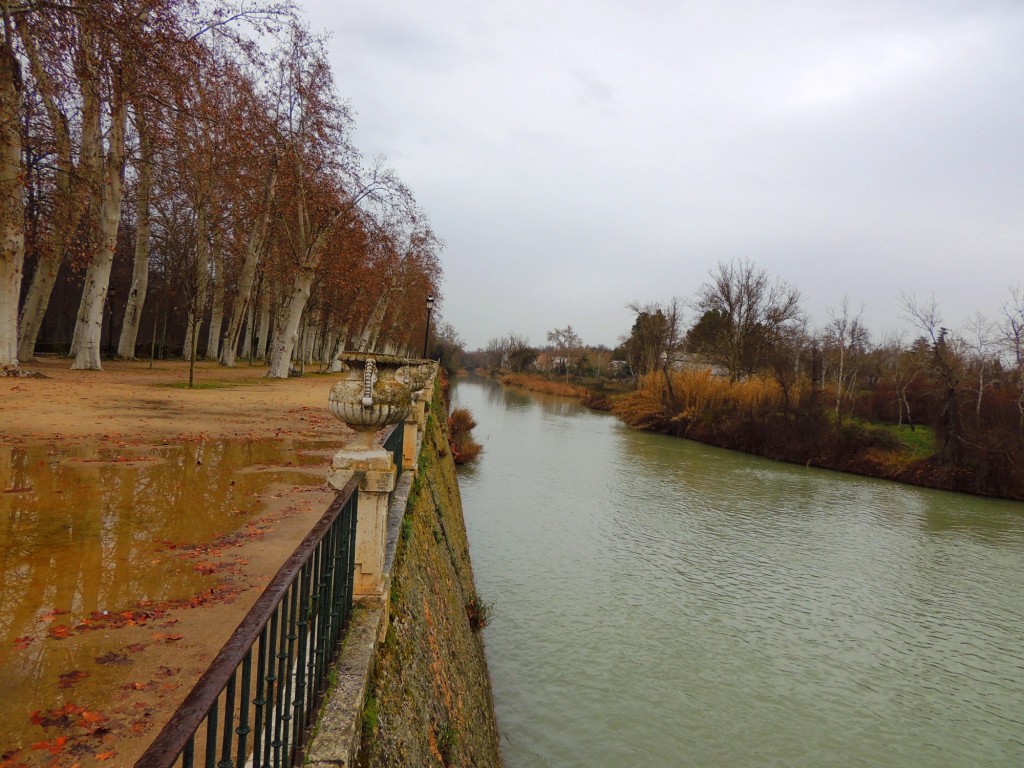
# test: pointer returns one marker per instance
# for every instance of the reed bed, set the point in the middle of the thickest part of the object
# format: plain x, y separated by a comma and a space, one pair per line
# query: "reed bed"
546, 386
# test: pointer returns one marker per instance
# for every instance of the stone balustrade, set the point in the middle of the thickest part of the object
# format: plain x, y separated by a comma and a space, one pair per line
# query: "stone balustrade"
375, 391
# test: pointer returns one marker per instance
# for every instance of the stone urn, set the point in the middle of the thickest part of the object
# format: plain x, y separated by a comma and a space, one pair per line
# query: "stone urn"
375, 391
416, 374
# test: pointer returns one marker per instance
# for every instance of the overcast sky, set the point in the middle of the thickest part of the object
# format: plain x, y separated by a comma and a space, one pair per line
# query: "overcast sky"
577, 156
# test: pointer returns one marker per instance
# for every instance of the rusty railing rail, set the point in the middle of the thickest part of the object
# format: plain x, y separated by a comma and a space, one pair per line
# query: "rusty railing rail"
259, 698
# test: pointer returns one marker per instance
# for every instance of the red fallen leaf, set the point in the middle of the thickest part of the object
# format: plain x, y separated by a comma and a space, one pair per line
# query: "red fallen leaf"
67, 679
136, 648
54, 747
61, 717
22, 642
105, 755
137, 686
92, 717
60, 632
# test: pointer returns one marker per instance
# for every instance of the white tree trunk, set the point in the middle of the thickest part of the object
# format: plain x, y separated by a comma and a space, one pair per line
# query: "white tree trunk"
247, 344
310, 335
37, 299
217, 306
372, 328
247, 276
10, 288
262, 346
97, 278
286, 331
12, 205
140, 267
339, 348
69, 199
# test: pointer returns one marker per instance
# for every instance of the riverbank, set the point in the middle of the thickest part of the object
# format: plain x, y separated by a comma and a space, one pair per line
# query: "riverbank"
430, 699
857, 447
748, 416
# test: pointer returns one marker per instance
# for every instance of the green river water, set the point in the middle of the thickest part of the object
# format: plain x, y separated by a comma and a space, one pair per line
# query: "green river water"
659, 602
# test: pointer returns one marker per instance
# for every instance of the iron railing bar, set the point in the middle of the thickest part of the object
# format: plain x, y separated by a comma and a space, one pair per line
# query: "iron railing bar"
227, 732
211, 734
272, 685
285, 711
172, 739
243, 729
304, 635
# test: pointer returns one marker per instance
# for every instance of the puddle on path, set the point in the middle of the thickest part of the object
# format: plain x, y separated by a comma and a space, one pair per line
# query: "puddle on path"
102, 552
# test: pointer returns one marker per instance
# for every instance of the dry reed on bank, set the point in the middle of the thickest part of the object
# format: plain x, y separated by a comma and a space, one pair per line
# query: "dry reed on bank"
696, 396
539, 384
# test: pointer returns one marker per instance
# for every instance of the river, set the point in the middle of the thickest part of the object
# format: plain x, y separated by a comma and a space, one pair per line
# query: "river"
659, 602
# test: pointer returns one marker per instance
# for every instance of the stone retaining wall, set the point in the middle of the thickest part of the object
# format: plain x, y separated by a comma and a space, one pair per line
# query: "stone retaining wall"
411, 686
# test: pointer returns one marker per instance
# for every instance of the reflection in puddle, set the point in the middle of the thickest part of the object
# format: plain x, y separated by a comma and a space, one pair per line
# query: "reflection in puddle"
95, 540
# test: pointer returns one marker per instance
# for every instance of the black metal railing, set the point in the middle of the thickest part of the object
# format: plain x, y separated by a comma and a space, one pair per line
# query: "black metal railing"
394, 441
260, 696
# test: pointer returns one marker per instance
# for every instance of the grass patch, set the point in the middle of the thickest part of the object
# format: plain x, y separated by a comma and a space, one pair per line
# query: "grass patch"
918, 442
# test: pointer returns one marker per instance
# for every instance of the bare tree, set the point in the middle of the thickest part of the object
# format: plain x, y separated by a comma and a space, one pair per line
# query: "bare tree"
981, 344
753, 312
567, 345
847, 339
1012, 328
946, 370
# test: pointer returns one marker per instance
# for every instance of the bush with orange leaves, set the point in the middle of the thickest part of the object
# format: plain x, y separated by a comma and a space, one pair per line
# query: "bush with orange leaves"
460, 439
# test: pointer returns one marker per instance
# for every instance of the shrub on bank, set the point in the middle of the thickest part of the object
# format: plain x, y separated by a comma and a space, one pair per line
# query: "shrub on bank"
463, 447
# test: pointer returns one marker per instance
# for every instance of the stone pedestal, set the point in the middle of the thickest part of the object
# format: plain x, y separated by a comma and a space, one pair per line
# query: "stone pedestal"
379, 473
372, 394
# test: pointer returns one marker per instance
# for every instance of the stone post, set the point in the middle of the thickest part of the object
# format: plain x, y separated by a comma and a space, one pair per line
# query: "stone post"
379, 473
410, 440
419, 376
367, 400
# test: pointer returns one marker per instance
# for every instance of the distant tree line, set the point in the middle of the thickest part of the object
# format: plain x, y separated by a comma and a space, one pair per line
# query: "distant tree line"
750, 373
565, 355
180, 176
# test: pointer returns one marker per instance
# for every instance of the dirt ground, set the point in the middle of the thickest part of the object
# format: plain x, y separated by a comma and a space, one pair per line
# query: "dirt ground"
137, 675
132, 400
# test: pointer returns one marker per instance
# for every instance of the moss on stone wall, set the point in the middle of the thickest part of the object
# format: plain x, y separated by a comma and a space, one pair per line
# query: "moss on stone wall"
431, 691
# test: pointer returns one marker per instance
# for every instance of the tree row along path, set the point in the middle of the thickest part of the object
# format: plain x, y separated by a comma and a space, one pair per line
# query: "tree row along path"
139, 521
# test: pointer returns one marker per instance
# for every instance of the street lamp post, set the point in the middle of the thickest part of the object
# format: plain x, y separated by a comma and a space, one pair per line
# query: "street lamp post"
426, 333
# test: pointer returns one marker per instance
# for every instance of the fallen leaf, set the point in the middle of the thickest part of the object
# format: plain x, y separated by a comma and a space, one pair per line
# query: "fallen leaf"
67, 679
105, 755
